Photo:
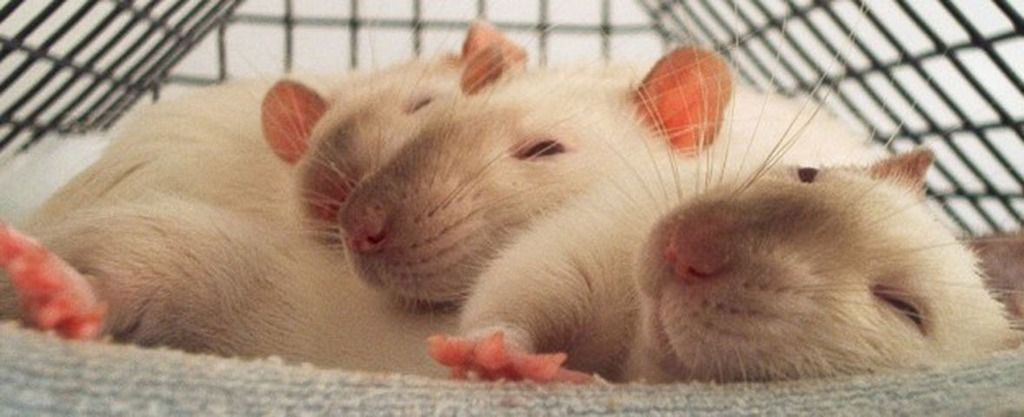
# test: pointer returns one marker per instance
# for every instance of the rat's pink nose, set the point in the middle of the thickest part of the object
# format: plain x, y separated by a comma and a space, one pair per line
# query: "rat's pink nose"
367, 229
698, 251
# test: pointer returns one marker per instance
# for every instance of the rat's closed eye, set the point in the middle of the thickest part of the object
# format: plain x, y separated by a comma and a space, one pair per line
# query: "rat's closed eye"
894, 299
417, 104
541, 149
807, 174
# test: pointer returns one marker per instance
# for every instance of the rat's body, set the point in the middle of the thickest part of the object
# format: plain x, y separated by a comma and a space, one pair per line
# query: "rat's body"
202, 278
185, 231
187, 234
651, 278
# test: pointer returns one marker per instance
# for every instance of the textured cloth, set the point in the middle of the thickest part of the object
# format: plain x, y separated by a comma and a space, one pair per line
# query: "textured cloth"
41, 375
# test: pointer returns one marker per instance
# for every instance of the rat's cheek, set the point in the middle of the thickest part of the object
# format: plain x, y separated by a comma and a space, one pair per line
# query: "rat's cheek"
325, 210
324, 196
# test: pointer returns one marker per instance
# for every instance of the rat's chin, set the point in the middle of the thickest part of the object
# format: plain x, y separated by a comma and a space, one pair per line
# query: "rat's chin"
430, 284
699, 346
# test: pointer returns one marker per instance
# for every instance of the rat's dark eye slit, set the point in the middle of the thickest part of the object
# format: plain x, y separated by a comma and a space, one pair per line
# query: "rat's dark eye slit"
807, 175
894, 299
418, 104
541, 149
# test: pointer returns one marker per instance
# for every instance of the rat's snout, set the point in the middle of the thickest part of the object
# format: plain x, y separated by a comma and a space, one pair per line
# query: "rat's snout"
366, 227
699, 248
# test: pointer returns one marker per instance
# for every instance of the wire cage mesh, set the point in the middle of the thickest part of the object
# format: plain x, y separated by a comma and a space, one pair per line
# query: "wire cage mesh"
76, 66
940, 72
360, 34
944, 73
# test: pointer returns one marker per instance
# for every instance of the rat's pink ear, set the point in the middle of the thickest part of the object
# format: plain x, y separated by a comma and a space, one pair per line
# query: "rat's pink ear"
483, 35
483, 69
907, 168
684, 97
487, 55
289, 112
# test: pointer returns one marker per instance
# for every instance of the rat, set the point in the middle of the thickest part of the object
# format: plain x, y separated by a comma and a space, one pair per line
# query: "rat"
804, 272
181, 235
1001, 258
613, 285
481, 168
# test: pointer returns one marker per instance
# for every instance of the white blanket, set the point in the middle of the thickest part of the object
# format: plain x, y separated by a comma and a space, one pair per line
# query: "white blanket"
41, 375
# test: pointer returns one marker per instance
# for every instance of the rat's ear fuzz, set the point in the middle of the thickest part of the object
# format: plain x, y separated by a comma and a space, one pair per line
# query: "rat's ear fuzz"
288, 114
483, 35
487, 55
684, 97
484, 69
907, 168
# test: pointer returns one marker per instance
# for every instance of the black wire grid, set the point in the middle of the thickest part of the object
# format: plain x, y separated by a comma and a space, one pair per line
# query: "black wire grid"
112, 52
942, 72
71, 66
917, 71
360, 25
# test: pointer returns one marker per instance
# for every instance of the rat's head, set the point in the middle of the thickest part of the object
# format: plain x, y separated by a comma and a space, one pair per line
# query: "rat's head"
1002, 259
336, 139
811, 272
484, 165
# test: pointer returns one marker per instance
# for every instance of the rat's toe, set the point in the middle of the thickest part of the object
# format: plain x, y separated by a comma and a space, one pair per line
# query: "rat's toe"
491, 353
450, 351
53, 295
540, 368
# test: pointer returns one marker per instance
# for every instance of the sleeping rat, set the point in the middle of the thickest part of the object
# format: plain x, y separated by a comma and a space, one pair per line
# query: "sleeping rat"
478, 170
1002, 259
181, 237
859, 277
803, 272
577, 281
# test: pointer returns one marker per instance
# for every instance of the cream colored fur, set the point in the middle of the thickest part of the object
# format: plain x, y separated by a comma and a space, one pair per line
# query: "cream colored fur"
189, 230
571, 282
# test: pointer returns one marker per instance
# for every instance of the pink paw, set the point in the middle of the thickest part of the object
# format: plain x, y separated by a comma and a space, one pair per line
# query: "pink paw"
491, 359
53, 295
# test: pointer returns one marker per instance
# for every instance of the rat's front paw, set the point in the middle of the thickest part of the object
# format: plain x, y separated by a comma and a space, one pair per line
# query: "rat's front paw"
53, 295
491, 359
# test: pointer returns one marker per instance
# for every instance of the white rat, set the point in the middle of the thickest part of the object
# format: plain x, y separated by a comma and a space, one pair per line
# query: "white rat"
482, 167
1002, 260
812, 273
762, 276
182, 236
801, 273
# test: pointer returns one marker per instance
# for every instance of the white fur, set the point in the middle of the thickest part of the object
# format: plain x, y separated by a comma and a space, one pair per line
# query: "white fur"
187, 227
455, 194
571, 282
